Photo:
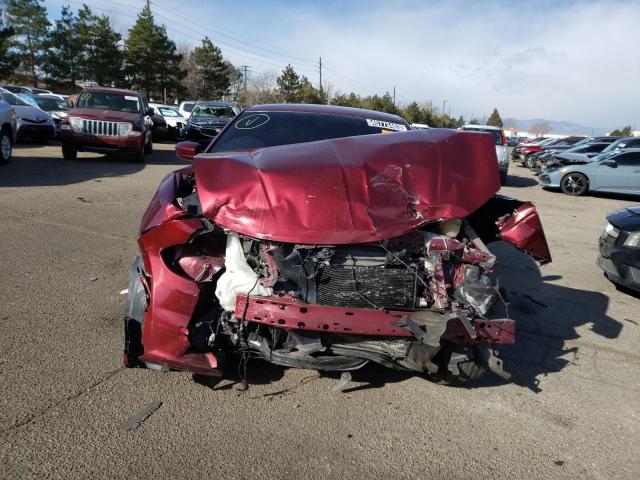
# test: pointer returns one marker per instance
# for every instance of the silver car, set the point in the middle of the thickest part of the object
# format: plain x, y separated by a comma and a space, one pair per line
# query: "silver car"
31, 122
616, 171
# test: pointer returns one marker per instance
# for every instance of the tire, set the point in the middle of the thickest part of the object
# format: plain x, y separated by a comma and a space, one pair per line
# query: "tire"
69, 152
529, 162
148, 147
574, 184
135, 307
138, 157
6, 147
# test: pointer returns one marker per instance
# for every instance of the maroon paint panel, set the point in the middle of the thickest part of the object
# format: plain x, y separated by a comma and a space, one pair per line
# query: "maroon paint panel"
348, 190
523, 229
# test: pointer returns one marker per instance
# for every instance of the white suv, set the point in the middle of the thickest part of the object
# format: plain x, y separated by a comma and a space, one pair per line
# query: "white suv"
502, 149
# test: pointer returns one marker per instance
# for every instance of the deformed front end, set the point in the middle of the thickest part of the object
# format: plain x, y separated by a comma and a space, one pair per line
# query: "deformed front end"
395, 273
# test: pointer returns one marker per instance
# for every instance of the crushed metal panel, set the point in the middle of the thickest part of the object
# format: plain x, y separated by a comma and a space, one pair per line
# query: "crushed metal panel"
348, 190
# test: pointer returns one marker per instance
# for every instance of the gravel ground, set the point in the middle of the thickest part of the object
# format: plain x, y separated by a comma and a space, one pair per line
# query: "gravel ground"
67, 239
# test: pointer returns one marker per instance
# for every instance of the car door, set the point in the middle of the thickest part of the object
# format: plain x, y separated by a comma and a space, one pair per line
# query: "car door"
620, 173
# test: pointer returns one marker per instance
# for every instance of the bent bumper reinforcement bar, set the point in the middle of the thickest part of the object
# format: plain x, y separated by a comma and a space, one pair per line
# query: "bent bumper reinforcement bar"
287, 312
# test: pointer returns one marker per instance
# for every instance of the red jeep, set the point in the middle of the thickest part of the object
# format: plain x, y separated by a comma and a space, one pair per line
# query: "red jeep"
108, 120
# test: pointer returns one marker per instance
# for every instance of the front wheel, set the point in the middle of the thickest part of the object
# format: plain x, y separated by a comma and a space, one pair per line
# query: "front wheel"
135, 307
6, 148
148, 147
574, 184
530, 162
69, 152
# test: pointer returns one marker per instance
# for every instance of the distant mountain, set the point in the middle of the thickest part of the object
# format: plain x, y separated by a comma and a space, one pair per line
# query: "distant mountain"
557, 127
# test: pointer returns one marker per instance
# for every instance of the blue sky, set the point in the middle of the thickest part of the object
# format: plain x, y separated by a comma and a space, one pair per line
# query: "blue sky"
560, 60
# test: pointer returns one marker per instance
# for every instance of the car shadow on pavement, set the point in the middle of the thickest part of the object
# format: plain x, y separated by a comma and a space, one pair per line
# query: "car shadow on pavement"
520, 182
40, 171
547, 315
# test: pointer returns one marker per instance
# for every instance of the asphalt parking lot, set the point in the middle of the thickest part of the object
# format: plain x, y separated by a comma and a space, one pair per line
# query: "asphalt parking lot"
67, 238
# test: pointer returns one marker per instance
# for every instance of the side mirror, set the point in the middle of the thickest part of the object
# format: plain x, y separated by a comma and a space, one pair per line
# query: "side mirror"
188, 150
151, 112
610, 163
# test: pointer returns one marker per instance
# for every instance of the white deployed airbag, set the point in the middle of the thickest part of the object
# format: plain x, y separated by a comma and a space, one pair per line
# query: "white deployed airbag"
238, 276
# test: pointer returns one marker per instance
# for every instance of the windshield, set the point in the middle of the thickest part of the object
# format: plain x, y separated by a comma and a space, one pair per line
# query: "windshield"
604, 155
270, 129
201, 111
109, 101
51, 104
12, 99
616, 145
168, 112
497, 134
584, 141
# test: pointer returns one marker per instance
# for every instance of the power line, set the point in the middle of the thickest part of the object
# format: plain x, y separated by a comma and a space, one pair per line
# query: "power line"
237, 40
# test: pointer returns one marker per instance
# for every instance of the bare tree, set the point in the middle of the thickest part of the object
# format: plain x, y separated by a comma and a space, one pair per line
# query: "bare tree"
261, 88
510, 124
540, 128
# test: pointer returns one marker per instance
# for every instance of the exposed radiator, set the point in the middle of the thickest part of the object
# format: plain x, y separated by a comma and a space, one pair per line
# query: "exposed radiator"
379, 286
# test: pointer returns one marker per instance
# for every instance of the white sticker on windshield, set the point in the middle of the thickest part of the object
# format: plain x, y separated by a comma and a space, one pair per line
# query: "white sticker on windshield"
129, 97
249, 122
398, 127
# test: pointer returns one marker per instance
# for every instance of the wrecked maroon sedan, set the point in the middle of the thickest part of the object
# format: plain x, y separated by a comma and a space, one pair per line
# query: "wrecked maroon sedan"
326, 238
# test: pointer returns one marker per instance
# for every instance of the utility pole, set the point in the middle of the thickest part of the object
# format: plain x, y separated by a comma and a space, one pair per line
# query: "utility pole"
394, 95
320, 70
444, 102
244, 77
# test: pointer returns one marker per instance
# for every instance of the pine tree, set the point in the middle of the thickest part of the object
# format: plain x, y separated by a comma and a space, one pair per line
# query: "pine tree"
307, 93
494, 119
62, 58
413, 113
351, 100
289, 84
100, 59
213, 73
152, 62
8, 62
28, 18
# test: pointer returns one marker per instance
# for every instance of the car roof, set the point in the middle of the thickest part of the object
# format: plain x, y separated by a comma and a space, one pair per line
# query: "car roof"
118, 91
487, 127
326, 109
213, 103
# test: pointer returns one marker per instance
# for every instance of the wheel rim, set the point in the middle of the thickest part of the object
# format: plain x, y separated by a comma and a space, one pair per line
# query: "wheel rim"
5, 147
575, 184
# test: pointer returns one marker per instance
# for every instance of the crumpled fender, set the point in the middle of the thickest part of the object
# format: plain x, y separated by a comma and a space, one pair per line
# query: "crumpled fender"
163, 207
515, 222
523, 229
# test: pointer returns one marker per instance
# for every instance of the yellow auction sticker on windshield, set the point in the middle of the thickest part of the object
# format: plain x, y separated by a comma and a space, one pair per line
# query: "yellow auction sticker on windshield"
397, 127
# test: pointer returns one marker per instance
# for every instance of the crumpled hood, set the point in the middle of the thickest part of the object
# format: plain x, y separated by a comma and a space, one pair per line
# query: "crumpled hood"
217, 121
348, 190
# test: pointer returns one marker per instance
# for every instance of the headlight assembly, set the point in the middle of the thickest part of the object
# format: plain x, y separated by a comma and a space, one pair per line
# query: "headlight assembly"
632, 240
76, 124
611, 230
125, 129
